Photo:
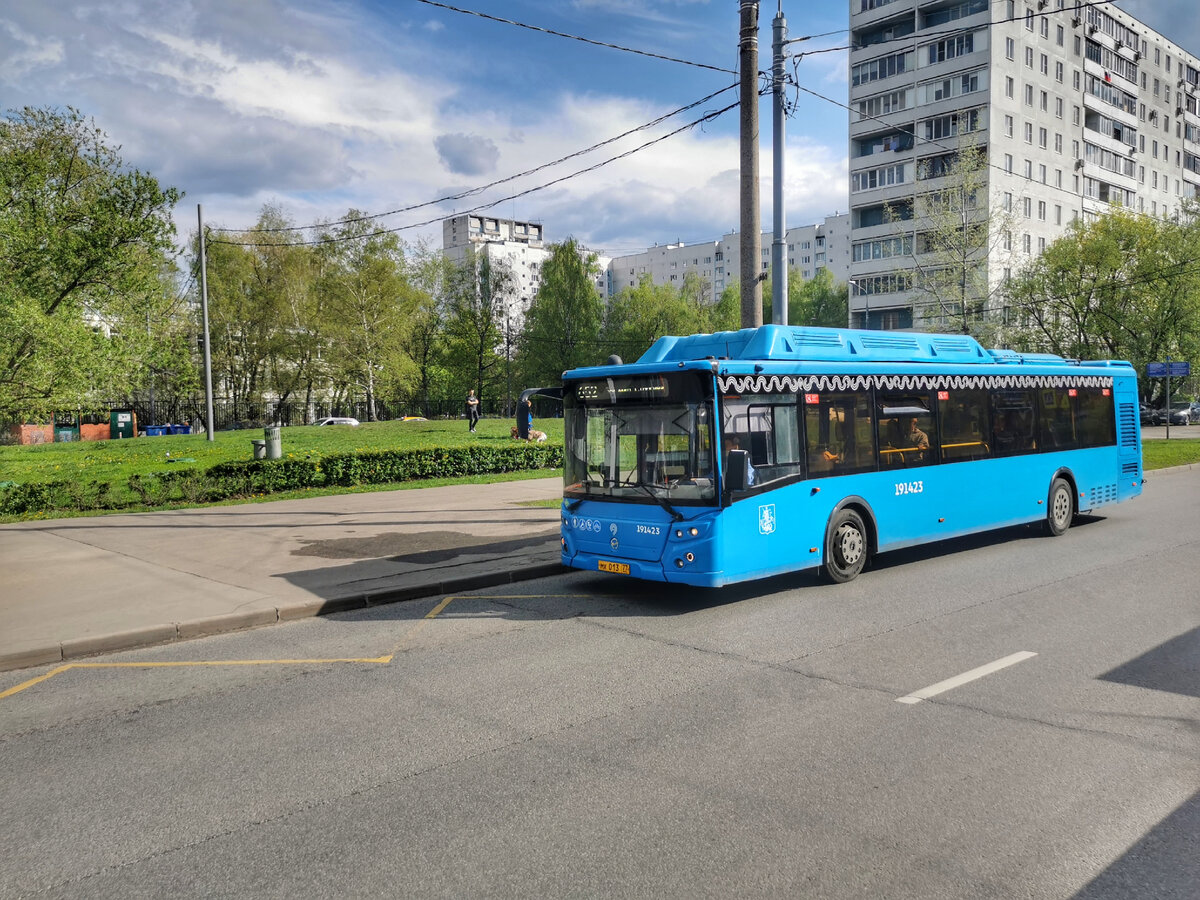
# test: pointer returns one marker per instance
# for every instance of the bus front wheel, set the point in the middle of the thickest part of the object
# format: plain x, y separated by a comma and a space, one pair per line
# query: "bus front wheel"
845, 546
1060, 507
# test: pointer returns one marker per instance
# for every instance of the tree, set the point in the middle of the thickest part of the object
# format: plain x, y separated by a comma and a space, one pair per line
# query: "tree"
249, 321
369, 299
562, 326
83, 242
478, 293
1123, 286
641, 314
422, 339
818, 301
951, 232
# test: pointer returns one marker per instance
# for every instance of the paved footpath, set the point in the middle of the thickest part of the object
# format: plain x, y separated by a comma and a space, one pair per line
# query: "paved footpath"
78, 587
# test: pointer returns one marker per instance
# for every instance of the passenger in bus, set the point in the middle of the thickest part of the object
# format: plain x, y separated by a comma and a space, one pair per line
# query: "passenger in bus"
1006, 435
919, 439
734, 442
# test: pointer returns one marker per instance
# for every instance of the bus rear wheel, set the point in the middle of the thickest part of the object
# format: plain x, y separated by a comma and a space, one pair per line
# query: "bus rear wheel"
845, 546
1060, 507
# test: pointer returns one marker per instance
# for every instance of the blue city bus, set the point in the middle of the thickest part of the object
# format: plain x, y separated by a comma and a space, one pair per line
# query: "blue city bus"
718, 458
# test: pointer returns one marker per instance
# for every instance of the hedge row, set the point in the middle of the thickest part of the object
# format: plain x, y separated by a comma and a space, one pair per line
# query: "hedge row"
244, 479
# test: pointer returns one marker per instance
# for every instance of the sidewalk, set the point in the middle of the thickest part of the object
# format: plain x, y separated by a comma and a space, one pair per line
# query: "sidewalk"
78, 587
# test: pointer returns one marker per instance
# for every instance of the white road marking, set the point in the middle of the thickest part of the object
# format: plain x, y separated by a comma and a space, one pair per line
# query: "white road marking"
934, 689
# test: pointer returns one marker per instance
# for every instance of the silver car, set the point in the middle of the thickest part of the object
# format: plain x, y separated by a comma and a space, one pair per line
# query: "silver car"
1180, 414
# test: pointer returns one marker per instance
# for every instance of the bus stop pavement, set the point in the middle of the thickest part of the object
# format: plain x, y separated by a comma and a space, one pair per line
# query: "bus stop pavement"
80, 587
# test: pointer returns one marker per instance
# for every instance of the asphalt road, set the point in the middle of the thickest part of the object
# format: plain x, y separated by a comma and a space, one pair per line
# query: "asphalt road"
585, 736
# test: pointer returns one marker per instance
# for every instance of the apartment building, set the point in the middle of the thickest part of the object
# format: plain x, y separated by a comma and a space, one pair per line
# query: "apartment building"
1075, 108
519, 245
670, 264
824, 245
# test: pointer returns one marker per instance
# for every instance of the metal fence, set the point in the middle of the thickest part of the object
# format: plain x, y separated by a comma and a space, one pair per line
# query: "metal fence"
231, 415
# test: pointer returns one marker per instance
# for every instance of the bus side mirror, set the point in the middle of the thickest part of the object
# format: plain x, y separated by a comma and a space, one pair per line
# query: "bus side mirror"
737, 470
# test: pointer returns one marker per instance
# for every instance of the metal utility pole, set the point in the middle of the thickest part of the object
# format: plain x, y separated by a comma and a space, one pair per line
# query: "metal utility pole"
208, 398
779, 269
751, 224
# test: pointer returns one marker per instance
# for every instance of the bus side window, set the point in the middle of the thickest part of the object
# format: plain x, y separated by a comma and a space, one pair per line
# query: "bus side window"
965, 433
1014, 422
839, 434
908, 434
1058, 422
1096, 418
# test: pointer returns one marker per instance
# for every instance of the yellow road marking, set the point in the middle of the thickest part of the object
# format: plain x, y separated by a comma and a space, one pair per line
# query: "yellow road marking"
33, 681
376, 660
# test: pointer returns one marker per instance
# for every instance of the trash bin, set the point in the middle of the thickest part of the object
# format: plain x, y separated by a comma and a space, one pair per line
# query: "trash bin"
260, 449
123, 423
274, 442
156, 430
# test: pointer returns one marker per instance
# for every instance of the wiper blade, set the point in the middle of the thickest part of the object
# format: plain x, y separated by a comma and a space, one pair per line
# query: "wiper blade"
676, 515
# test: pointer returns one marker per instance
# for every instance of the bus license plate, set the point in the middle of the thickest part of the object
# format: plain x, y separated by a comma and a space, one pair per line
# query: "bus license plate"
617, 568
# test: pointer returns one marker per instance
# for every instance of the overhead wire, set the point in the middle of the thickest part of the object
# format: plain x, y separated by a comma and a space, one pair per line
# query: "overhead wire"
481, 188
707, 117
575, 37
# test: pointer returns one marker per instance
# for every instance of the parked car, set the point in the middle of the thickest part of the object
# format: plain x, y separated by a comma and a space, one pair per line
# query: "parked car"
1194, 412
1146, 414
1180, 414
338, 420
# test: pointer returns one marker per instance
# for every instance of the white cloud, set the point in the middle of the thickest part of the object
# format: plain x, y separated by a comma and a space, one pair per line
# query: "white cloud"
22, 52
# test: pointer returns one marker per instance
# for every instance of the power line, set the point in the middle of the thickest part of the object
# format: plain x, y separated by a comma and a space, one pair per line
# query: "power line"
575, 37
478, 190
707, 117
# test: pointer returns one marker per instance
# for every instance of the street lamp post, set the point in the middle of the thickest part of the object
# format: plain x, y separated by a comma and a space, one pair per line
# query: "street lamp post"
858, 292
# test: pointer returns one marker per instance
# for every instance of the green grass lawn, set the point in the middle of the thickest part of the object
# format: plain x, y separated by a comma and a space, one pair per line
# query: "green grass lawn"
1162, 454
114, 460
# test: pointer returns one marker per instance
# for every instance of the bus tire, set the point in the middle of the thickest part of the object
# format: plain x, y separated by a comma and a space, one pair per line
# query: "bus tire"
1060, 507
846, 548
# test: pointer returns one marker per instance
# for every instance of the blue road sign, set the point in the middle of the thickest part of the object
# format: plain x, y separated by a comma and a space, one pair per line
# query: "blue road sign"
1162, 369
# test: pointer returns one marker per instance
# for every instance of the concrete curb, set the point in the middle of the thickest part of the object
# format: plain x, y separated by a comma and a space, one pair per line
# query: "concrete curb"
157, 635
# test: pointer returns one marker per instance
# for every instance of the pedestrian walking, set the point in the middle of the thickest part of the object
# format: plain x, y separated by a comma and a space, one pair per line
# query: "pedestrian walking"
472, 410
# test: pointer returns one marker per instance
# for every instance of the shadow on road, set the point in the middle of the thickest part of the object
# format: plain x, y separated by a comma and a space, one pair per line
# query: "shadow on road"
1173, 666
1164, 863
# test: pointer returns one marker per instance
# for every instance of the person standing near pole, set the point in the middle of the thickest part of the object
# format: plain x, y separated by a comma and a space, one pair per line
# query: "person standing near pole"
472, 410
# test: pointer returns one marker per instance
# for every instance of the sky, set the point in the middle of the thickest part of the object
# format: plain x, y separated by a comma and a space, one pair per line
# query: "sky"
316, 107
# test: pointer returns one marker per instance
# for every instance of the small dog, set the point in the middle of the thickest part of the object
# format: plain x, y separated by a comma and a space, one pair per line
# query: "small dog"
534, 435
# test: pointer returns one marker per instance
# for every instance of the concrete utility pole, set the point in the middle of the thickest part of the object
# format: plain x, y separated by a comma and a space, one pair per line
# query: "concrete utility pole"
779, 269
208, 397
751, 224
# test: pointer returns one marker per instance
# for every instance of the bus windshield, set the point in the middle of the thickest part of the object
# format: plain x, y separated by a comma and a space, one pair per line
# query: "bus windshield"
640, 438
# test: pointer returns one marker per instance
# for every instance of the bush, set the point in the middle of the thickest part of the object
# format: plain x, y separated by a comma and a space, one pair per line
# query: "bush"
230, 480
